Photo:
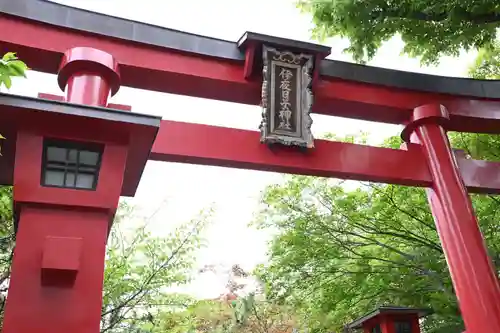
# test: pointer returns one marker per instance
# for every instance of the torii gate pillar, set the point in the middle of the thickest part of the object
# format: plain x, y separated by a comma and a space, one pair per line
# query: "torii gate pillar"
456, 222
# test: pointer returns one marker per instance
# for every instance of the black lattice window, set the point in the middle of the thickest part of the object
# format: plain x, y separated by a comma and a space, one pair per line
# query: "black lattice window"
71, 165
376, 329
402, 327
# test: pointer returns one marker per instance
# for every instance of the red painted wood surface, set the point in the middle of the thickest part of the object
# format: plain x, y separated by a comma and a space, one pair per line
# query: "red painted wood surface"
33, 307
160, 69
58, 264
61, 270
473, 275
229, 147
153, 68
88, 76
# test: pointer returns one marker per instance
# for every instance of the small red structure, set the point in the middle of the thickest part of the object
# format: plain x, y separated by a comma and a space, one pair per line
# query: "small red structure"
70, 158
390, 319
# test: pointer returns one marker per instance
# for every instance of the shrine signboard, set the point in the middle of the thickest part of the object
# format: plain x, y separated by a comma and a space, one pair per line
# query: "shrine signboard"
286, 98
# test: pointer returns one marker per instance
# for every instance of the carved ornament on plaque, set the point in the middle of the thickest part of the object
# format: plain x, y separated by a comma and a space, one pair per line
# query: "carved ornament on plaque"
286, 98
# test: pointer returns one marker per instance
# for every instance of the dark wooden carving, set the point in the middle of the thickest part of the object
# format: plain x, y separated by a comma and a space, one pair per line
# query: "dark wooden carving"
286, 98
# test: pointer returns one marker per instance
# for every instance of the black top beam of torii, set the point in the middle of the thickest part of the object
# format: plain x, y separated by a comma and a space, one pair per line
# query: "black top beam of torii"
83, 20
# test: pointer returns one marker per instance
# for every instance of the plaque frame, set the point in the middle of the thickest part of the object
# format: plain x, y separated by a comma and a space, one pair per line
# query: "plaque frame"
302, 64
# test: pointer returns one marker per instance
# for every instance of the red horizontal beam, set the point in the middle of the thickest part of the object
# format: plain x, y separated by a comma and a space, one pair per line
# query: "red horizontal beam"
389, 105
234, 148
142, 66
161, 69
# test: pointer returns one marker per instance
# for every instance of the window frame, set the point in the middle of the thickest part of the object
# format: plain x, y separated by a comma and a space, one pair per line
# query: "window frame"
68, 168
398, 326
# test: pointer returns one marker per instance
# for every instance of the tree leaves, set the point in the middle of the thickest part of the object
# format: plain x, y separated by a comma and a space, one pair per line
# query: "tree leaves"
7, 243
11, 66
244, 315
487, 63
429, 28
139, 270
341, 252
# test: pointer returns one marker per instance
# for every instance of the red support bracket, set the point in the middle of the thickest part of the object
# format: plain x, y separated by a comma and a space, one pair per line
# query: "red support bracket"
51, 97
121, 107
61, 261
248, 69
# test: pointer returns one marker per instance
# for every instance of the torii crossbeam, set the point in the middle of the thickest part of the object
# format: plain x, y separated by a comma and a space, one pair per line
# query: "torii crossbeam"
94, 54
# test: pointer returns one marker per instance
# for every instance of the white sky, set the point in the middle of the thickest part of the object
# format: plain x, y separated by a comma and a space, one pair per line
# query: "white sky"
179, 191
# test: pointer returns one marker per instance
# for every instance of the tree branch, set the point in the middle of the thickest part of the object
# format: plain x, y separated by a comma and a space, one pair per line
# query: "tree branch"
459, 13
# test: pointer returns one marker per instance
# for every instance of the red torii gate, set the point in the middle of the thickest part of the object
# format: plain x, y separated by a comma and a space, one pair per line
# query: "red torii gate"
75, 155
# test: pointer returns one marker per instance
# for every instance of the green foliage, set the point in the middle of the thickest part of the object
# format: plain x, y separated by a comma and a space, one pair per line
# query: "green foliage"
7, 242
487, 63
243, 315
140, 268
429, 28
339, 252
11, 66
201, 316
242, 309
